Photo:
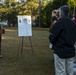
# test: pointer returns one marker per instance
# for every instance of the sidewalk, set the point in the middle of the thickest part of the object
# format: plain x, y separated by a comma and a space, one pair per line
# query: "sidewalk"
75, 64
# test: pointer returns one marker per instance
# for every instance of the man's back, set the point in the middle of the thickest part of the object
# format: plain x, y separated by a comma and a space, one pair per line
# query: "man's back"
68, 32
63, 42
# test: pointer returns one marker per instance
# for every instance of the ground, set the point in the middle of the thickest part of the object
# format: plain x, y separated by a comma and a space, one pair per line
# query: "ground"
27, 63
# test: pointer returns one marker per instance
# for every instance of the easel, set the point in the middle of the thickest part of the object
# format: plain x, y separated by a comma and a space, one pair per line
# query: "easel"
24, 29
20, 46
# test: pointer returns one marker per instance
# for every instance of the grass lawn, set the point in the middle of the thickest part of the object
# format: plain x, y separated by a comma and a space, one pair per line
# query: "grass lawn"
26, 64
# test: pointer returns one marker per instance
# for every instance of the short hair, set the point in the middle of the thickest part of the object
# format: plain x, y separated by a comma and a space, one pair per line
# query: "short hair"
65, 9
54, 11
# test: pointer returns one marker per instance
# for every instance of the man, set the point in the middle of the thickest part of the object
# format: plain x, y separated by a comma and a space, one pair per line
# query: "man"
63, 37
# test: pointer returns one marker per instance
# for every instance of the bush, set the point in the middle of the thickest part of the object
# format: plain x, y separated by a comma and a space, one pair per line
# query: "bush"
46, 12
46, 16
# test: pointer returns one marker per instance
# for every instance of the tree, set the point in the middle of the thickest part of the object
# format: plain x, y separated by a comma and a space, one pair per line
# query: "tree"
57, 3
46, 15
9, 12
46, 12
72, 4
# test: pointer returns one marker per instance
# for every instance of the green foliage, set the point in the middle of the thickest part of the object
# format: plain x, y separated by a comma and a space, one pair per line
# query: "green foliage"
11, 9
46, 15
57, 3
46, 12
72, 4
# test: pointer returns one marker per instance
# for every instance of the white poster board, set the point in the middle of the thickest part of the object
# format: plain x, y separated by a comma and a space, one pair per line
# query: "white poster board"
24, 25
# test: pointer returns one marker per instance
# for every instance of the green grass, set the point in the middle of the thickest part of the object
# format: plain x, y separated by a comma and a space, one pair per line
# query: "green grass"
26, 64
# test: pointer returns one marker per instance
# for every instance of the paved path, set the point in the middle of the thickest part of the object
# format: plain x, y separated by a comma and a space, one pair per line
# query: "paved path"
75, 65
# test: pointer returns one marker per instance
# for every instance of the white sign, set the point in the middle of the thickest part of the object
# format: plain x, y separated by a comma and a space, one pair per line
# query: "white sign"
24, 26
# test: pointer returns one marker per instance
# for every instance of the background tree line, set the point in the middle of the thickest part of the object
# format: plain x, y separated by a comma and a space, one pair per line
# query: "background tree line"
10, 9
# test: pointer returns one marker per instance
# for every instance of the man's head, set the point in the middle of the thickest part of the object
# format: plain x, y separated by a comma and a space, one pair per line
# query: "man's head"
64, 10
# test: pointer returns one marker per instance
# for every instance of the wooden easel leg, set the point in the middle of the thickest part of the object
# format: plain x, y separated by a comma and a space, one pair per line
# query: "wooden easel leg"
22, 45
31, 45
0, 46
19, 46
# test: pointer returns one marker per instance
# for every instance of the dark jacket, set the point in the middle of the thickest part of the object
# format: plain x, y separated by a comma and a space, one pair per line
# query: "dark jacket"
63, 37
